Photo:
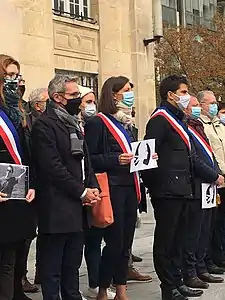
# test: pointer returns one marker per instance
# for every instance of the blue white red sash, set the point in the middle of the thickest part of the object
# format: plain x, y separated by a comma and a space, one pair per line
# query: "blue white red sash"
205, 147
10, 138
123, 139
175, 123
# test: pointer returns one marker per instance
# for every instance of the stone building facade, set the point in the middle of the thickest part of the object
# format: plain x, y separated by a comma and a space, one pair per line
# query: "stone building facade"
92, 39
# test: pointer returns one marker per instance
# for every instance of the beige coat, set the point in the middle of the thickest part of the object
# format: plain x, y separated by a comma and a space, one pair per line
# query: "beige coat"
215, 131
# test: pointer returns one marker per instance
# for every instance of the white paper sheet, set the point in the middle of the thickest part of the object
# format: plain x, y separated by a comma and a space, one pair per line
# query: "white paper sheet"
209, 193
143, 151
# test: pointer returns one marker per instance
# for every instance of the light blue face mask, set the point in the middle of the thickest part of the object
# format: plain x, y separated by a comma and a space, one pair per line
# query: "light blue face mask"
128, 98
213, 110
222, 119
195, 112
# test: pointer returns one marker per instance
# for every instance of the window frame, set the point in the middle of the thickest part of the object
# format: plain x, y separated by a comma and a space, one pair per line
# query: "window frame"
81, 7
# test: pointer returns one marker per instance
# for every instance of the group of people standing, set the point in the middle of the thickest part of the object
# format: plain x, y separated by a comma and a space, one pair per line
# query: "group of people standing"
187, 189
63, 140
66, 139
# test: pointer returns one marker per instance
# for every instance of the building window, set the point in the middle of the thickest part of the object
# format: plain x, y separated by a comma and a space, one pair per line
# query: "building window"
85, 79
76, 9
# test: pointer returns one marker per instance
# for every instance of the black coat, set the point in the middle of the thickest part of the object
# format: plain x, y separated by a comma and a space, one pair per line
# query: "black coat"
177, 166
59, 176
17, 217
105, 150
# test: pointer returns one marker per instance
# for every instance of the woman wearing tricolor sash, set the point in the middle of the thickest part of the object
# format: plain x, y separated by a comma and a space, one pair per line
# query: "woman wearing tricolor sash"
109, 136
17, 220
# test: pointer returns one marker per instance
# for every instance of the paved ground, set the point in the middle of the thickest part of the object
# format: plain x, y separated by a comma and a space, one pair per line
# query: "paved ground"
142, 247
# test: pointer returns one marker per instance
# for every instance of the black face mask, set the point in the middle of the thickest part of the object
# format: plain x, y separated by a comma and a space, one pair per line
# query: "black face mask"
72, 106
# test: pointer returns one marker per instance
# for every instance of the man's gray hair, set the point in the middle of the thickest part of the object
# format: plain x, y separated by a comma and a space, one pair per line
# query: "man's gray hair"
201, 95
35, 96
58, 84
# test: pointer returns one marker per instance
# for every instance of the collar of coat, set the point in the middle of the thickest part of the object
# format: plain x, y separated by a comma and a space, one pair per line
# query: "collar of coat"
174, 110
207, 120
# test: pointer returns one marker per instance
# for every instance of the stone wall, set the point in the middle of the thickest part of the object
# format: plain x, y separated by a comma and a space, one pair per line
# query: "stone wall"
28, 35
75, 45
43, 42
123, 26
115, 39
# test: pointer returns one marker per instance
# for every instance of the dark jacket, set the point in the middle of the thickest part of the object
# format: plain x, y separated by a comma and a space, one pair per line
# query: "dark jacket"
104, 151
59, 176
17, 217
198, 126
177, 165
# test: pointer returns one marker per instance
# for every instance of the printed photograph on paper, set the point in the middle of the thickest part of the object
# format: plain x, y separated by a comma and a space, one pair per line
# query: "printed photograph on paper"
14, 181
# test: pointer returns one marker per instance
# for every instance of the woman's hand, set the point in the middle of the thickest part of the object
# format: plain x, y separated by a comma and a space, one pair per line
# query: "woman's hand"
155, 156
2, 197
125, 158
30, 195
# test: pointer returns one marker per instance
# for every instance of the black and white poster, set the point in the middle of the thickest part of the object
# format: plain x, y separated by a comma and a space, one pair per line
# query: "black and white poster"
14, 181
143, 152
209, 192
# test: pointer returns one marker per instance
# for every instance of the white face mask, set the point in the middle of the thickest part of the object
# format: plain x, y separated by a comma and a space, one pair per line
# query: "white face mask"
183, 101
89, 110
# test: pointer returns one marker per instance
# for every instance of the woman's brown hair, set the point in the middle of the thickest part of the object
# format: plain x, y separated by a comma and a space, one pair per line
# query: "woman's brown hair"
5, 61
112, 85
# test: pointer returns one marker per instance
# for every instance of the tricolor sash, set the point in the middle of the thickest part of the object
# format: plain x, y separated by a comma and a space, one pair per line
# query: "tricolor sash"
123, 139
10, 138
175, 123
205, 147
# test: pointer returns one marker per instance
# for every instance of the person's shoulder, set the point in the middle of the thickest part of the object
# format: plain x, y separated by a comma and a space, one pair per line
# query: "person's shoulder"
94, 122
44, 122
158, 119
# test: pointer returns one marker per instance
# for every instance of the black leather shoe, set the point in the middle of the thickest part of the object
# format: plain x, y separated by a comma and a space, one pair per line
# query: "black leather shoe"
186, 291
206, 277
215, 270
221, 264
173, 295
136, 259
196, 283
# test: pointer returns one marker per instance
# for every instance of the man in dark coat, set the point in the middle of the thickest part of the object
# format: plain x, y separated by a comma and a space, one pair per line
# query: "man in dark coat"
172, 184
65, 184
199, 220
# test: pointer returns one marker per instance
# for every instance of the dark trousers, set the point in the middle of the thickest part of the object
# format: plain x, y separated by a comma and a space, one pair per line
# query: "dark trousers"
26, 254
12, 261
170, 215
93, 253
195, 235
203, 253
61, 256
218, 238
20, 262
118, 237
38, 258
7, 263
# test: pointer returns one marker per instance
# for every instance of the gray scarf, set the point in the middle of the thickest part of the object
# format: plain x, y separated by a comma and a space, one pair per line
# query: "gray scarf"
72, 122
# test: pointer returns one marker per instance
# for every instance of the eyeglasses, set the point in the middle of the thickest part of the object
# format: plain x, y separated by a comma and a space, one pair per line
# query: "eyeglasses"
74, 95
12, 76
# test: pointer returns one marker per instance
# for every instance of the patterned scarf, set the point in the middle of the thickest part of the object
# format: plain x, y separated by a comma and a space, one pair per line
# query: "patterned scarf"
11, 107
